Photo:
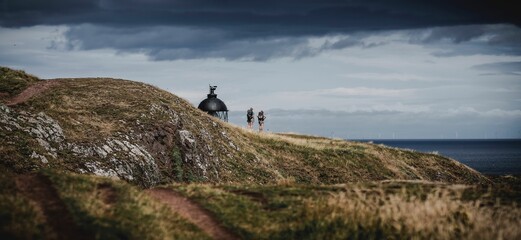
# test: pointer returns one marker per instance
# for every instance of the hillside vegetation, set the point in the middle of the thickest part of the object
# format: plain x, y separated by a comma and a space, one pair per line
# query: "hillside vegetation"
147, 136
384, 210
98, 158
51, 205
13, 82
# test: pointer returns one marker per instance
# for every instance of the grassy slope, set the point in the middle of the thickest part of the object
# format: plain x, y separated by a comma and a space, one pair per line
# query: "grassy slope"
388, 210
95, 108
293, 203
128, 214
13, 82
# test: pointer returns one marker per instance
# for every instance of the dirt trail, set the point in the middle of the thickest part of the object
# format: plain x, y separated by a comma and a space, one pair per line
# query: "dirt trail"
39, 189
193, 212
31, 91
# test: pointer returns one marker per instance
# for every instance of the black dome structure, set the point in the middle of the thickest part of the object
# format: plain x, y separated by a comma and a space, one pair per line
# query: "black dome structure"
214, 106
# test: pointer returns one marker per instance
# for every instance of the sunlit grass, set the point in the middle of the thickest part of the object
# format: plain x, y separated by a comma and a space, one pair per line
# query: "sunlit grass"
391, 210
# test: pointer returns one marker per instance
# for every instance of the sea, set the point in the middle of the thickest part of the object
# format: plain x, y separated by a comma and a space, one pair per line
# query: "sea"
488, 156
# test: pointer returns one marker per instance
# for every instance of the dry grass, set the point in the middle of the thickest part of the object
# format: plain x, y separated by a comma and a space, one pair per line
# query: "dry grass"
390, 210
314, 142
441, 215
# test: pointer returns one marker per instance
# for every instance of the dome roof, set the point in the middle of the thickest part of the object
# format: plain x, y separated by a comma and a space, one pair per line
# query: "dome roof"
212, 103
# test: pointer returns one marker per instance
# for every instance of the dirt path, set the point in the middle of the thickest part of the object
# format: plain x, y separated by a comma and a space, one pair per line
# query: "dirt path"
193, 212
31, 91
39, 189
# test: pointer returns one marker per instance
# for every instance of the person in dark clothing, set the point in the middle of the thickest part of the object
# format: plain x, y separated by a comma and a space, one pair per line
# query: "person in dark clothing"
250, 118
261, 119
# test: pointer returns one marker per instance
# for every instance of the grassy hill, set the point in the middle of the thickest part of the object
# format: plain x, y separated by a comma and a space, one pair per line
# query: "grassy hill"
98, 158
147, 136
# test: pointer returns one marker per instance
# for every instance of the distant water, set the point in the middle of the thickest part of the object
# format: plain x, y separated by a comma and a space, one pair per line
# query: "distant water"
491, 156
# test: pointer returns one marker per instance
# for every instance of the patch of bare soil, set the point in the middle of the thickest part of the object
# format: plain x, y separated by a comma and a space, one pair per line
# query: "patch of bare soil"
107, 193
31, 91
39, 189
193, 212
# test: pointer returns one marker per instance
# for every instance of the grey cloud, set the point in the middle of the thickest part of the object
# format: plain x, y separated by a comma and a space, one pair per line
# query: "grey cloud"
255, 50
171, 43
509, 68
499, 39
354, 40
174, 42
254, 30
88, 36
455, 34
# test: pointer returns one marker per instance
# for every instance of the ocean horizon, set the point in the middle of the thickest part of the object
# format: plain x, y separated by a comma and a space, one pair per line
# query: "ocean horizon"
488, 156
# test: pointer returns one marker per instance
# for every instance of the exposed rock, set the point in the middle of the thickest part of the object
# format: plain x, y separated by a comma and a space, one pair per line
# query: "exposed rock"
38, 156
186, 138
100, 170
139, 165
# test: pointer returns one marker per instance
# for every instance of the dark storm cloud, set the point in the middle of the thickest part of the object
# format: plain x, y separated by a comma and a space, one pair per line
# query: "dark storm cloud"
500, 39
295, 16
238, 29
169, 43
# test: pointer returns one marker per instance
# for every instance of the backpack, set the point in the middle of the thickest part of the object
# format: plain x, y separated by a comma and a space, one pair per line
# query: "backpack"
261, 116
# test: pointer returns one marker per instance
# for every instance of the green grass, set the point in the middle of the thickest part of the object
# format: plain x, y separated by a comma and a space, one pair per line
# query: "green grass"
95, 109
394, 210
13, 82
19, 218
105, 208
113, 209
124, 212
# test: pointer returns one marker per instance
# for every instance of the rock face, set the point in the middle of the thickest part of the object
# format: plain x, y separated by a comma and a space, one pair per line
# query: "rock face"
40, 128
142, 155
101, 159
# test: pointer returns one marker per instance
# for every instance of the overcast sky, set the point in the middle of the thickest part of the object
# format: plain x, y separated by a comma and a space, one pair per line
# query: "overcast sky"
349, 69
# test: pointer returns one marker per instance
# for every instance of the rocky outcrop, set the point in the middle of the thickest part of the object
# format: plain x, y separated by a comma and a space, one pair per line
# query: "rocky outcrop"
146, 154
114, 157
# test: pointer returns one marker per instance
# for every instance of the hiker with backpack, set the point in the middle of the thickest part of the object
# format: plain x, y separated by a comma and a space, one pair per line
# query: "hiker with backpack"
250, 118
261, 118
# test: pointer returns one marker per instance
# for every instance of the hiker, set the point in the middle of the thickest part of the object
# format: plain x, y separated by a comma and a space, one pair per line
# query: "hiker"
261, 119
249, 117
